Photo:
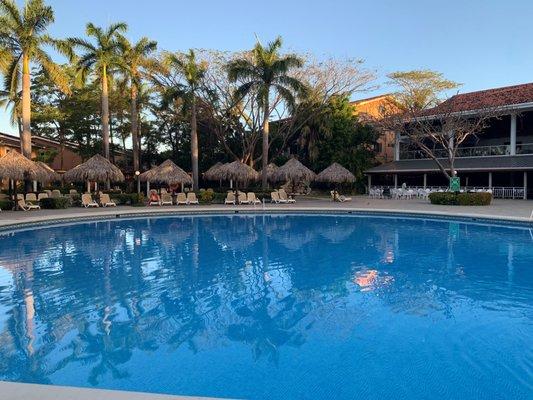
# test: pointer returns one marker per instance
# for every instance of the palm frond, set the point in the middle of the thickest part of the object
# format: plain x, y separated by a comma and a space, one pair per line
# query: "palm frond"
10, 8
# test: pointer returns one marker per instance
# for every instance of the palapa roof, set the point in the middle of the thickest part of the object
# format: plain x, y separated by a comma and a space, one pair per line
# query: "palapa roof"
167, 172
95, 169
335, 173
271, 169
293, 170
17, 167
211, 173
51, 174
236, 171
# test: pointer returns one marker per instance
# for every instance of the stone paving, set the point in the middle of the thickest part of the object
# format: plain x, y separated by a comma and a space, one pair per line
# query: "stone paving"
514, 210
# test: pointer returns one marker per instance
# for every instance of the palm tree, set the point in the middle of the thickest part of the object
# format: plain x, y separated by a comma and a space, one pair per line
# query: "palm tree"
101, 58
263, 71
22, 41
193, 73
134, 57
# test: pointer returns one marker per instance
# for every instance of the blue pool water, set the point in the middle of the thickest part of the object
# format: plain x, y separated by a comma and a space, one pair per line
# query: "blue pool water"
277, 307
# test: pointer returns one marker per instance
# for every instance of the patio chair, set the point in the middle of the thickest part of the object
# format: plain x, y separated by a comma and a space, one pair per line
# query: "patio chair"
275, 198
73, 192
181, 199
28, 206
106, 201
243, 199
252, 199
166, 199
56, 194
192, 199
32, 197
87, 201
284, 197
41, 196
20, 196
230, 198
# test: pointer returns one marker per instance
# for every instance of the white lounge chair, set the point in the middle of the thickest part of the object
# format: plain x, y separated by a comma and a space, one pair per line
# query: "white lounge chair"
243, 199
252, 199
32, 197
41, 196
181, 199
275, 198
56, 194
106, 201
87, 201
28, 206
284, 197
192, 199
166, 199
230, 198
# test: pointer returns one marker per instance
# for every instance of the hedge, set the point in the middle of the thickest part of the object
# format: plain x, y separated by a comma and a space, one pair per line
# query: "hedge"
461, 199
6, 204
55, 203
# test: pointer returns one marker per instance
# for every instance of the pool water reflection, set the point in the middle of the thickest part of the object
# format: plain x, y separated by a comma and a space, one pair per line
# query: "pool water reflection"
276, 306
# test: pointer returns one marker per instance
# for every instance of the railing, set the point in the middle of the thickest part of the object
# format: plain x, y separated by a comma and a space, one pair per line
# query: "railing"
498, 192
477, 151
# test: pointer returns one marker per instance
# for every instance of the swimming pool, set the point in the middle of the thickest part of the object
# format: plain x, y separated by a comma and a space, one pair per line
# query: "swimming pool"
271, 306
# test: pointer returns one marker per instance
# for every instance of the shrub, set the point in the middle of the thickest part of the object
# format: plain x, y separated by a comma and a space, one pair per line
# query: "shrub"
461, 199
55, 203
206, 196
131, 199
6, 204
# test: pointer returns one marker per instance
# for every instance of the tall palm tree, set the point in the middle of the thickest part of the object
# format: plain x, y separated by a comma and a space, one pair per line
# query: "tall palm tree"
134, 57
193, 73
22, 41
264, 71
101, 58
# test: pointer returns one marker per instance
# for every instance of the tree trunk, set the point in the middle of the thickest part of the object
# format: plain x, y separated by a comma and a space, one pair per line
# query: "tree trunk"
105, 112
194, 145
25, 139
134, 129
266, 128
62, 148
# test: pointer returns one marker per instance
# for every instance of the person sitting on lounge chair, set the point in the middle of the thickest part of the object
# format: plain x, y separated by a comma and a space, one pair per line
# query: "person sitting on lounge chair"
336, 197
154, 199
27, 206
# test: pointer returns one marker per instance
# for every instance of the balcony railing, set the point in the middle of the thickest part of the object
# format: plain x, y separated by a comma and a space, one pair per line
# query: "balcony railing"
477, 151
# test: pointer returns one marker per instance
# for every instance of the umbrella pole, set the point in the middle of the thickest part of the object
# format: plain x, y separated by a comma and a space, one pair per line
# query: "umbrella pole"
89, 187
15, 201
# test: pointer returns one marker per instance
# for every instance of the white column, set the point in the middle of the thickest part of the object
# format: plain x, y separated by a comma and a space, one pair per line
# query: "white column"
490, 179
88, 186
513, 134
369, 182
525, 185
425, 180
395, 181
147, 188
396, 146
34, 186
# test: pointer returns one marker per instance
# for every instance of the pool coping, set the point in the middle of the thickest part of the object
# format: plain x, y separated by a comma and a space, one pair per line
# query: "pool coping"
117, 213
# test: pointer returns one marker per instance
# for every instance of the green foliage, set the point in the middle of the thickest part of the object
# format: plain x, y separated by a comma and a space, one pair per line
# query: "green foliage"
6, 204
52, 203
206, 196
130, 199
460, 199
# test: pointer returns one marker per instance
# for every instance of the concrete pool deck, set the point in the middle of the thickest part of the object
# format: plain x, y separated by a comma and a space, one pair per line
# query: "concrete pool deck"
502, 210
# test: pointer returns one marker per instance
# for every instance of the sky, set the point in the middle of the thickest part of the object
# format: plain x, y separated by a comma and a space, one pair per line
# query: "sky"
479, 43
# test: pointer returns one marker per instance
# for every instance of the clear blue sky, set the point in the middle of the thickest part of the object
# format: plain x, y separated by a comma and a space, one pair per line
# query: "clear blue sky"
480, 43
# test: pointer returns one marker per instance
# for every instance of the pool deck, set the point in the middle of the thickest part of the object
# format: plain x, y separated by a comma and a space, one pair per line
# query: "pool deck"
502, 210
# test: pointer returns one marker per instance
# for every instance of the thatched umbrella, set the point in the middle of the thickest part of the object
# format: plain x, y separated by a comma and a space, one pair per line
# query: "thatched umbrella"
19, 168
95, 169
211, 173
237, 171
51, 174
335, 174
167, 172
293, 171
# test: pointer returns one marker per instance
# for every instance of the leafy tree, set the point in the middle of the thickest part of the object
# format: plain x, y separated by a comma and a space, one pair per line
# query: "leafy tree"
420, 89
263, 71
101, 58
22, 41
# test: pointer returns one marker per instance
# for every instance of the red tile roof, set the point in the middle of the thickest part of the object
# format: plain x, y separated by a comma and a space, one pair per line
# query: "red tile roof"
499, 97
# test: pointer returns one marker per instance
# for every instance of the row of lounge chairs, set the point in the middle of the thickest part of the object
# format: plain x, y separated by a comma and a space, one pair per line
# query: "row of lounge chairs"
181, 199
87, 201
242, 198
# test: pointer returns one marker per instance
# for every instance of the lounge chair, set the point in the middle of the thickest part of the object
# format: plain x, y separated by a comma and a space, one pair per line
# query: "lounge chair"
20, 196
166, 199
252, 199
73, 192
242, 199
336, 197
284, 198
191, 198
230, 198
28, 206
41, 196
274, 198
181, 199
87, 201
32, 197
105, 200
56, 194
